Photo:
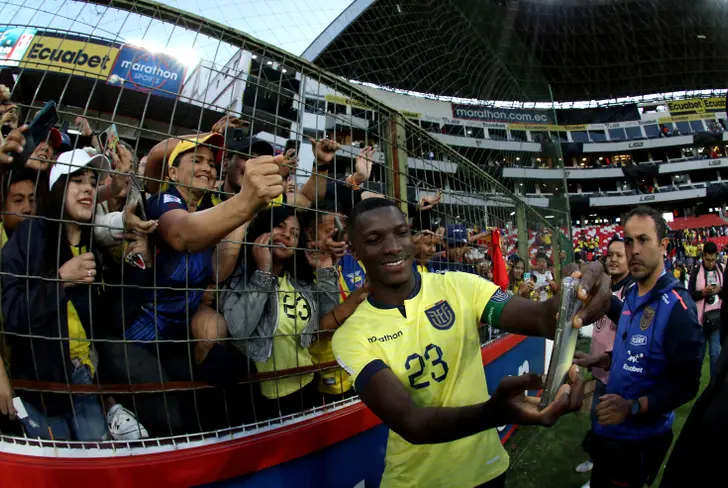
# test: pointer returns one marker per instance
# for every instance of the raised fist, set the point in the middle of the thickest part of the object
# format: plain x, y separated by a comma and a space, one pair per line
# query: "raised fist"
262, 181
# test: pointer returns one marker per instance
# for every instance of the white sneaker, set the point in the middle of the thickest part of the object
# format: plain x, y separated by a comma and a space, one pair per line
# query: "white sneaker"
586, 485
123, 426
585, 467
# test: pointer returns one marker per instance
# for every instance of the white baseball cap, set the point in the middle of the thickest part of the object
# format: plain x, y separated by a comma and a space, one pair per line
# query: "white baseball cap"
71, 161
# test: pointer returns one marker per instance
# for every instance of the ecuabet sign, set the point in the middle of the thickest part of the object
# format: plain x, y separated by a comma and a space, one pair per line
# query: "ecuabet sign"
148, 72
75, 55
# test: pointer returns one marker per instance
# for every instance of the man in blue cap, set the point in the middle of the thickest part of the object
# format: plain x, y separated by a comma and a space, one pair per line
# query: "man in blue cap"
456, 240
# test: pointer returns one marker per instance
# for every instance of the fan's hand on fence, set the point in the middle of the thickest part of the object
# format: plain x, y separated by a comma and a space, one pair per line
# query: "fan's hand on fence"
363, 165
133, 223
13, 143
262, 253
324, 151
79, 269
6, 395
262, 181
83, 126
227, 122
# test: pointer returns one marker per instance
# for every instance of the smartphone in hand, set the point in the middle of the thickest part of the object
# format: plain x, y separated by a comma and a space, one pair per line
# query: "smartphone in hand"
37, 132
340, 230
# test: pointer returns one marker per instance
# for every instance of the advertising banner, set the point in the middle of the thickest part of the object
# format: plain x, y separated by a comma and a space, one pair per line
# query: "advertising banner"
493, 114
346, 101
14, 41
85, 58
147, 72
697, 105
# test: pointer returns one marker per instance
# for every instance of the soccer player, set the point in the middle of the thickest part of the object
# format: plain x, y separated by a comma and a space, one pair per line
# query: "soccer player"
413, 352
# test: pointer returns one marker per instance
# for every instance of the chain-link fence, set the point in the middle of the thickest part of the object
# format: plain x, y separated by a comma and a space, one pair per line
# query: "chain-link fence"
156, 281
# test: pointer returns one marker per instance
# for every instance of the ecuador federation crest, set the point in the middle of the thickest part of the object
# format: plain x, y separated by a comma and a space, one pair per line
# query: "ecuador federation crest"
648, 316
441, 315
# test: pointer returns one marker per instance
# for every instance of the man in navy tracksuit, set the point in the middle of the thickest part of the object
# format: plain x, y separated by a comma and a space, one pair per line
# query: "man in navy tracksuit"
655, 364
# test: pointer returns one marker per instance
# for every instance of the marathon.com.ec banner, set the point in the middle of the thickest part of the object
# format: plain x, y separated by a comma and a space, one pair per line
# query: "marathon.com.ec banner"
147, 72
505, 115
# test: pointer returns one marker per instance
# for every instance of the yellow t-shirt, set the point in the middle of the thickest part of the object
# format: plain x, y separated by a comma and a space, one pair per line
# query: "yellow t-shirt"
422, 268
294, 312
3, 235
435, 353
691, 251
78, 343
334, 381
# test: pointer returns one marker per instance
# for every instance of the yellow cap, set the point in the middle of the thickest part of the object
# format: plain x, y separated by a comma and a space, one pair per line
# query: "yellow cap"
214, 140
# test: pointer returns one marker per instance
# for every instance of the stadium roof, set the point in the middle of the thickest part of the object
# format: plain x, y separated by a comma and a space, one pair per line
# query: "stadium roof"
529, 50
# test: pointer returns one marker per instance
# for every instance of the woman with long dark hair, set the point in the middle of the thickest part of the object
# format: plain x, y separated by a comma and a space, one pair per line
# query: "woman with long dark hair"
278, 294
55, 303
517, 285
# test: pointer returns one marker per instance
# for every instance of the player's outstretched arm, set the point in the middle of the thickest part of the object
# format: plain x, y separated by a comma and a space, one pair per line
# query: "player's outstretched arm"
387, 397
523, 316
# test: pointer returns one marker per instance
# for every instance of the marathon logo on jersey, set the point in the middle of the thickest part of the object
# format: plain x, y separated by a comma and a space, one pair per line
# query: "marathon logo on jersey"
634, 359
638, 340
386, 337
441, 315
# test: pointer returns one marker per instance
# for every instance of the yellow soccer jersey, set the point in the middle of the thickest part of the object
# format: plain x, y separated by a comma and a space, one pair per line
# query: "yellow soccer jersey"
434, 350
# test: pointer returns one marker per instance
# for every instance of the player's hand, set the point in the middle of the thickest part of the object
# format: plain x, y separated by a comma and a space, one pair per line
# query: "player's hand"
516, 407
612, 409
262, 181
262, 253
79, 269
363, 165
584, 360
595, 290
13, 143
324, 151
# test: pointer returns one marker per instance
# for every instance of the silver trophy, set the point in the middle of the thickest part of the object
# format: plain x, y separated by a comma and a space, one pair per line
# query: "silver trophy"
562, 356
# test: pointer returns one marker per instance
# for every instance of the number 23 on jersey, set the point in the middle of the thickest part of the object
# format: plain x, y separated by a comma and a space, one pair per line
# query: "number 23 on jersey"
425, 367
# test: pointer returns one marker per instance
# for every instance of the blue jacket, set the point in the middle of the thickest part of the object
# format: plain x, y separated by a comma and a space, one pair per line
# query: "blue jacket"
657, 353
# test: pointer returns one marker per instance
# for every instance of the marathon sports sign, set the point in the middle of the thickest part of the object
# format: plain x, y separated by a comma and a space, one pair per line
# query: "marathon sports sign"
697, 105
80, 57
141, 70
505, 115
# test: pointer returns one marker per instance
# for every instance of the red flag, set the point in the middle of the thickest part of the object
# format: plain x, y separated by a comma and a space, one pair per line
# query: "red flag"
500, 275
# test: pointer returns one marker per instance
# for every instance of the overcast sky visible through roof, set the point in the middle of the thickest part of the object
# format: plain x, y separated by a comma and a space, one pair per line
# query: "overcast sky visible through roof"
289, 24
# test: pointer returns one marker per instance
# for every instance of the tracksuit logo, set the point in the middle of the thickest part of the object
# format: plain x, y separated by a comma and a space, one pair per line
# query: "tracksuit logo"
634, 359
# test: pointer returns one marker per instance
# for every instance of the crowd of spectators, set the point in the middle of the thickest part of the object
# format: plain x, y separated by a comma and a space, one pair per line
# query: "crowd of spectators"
199, 262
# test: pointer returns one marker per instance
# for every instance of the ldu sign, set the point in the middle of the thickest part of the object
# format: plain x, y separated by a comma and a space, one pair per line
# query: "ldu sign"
62, 55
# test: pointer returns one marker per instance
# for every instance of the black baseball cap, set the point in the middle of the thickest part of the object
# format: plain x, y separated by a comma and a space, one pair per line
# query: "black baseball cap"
237, 141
